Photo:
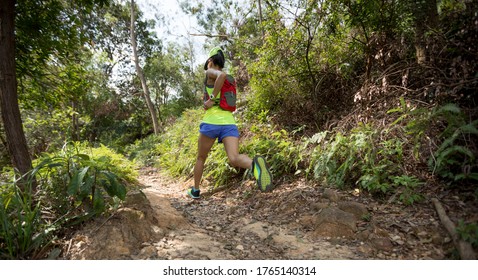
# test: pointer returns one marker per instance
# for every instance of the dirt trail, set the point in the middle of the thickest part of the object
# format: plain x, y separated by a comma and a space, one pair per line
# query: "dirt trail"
296, 221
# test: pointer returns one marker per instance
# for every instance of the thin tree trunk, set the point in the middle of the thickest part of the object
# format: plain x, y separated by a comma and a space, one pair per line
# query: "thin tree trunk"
260, 18
426, 17
15, 137
74, 122
140, 73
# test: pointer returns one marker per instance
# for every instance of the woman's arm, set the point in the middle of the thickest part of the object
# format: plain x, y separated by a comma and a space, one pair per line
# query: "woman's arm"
218, 76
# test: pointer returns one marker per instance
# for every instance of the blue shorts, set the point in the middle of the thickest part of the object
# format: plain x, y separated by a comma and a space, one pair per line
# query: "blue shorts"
218, 131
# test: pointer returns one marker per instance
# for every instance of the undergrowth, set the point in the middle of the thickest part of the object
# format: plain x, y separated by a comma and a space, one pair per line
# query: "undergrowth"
73, 185
382, 159
177, 150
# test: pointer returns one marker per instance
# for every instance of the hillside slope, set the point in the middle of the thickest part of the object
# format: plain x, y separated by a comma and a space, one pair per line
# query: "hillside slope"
295, 221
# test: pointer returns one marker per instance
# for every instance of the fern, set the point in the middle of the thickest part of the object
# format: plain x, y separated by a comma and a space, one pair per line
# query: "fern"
455, 159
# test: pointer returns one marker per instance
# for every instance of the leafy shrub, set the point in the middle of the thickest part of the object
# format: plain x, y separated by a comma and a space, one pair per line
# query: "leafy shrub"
177, 146
74, 184
144, 151
283, 155
455, 158
92, 179
21, 231
365, 157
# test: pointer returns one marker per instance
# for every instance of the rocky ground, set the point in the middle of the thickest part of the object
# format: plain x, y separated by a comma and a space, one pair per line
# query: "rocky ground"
298, 220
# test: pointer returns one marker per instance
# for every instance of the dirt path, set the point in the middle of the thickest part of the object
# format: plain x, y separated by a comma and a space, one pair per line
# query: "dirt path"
296, 221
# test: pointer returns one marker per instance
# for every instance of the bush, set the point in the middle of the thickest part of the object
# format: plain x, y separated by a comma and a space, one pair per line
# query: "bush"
144, 151
92, 178
22, 232
366, 157
73, 184
177, 146
283, 154
455, 158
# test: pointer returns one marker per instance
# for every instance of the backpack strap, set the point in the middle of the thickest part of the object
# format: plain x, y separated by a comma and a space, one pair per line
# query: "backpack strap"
206, 94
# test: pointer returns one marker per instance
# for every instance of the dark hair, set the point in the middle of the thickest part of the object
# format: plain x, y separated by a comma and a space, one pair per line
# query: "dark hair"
218, 59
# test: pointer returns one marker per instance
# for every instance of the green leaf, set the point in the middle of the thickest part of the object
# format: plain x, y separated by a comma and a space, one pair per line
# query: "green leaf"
114, 188
470, 128
99, 201
462, 176
449, 108
77, 180
83, 156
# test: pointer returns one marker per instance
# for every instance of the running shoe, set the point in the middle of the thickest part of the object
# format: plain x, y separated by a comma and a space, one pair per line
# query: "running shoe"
262, 174
193, 193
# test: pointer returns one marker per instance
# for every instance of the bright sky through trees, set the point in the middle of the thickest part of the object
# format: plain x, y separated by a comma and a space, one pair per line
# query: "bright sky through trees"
173, 25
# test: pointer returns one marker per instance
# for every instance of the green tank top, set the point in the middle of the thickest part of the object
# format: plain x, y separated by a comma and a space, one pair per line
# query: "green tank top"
216, 115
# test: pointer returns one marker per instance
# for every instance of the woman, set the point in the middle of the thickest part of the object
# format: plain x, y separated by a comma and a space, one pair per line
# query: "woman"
220, 124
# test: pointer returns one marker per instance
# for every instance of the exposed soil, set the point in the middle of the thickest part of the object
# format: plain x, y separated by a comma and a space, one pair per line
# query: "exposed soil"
298, 220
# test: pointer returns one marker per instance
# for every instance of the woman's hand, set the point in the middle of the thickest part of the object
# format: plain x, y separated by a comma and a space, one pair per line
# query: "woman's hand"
208, 104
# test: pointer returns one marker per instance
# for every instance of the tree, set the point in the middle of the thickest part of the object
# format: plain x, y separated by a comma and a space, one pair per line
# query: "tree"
425, 17
16, 141
140, 73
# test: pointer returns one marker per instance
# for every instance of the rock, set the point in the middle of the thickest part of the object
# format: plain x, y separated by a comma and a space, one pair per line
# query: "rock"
381, 243
147, 252
437, 239
363, 235
319, 206
331, 195
307, 221
333, 222
359, 210
240, 247
135, 198
397, 239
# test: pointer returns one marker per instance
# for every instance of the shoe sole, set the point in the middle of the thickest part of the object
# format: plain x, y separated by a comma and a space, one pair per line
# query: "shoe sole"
265, 177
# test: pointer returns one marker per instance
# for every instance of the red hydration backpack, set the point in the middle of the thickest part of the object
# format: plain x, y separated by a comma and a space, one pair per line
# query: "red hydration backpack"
227, 98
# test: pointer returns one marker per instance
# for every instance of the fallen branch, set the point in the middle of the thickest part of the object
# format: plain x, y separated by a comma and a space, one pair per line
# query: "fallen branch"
464, 248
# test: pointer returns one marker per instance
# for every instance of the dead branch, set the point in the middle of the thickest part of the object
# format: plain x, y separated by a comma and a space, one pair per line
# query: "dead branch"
210, 35
464, 248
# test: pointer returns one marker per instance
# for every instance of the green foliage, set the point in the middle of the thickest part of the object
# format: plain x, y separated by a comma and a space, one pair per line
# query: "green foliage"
409, 195
455, 158
365, 157
91, 179
74, 184
177, 147
144, 151
21, 232
177, 150
468, 232
283, 155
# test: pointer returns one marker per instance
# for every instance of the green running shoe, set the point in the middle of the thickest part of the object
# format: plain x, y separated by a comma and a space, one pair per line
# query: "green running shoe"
262, 174
193, 193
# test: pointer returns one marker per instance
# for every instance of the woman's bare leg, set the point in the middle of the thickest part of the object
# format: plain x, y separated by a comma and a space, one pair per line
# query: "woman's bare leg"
204, 146
231, 144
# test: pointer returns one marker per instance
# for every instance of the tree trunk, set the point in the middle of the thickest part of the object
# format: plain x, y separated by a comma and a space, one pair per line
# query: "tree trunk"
140, 73
260, 18
15, 137
75, 133
426, 18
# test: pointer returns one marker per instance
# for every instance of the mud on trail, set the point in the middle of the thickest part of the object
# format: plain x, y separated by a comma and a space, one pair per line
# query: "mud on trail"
295, 221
